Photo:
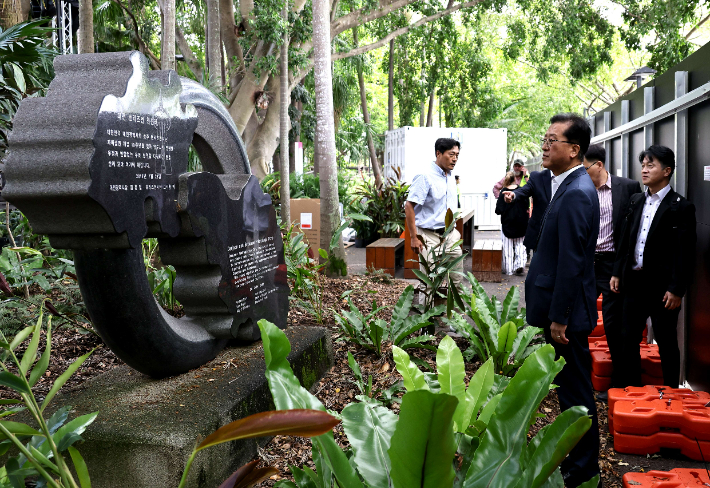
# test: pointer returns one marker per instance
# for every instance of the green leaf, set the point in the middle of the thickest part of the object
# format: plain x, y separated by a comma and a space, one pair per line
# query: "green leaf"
412, 377
68, 439
18, 429
489, 409
402, 307
14, 382
337, 461
20, 337
448, 218
323, 253
593, 483
19, 78
42, 458
449, 365
43, 363
63, 378
506, 337
476, 395
28, 358
557, 441
369, 429
423, 278
497, 460
423, 443
510, 304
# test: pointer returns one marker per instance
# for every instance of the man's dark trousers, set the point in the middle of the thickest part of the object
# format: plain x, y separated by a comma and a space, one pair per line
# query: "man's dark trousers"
612, 304
644, 298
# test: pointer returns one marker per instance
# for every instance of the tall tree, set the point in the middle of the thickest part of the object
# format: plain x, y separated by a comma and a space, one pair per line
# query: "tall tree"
214, 44
167, 43
325, 130
285, 123
86, 27
376, 170
390, 89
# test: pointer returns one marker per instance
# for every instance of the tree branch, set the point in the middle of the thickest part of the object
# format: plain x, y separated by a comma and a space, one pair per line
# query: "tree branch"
403, 30
363, 16
697, 26
192, 62
154, 61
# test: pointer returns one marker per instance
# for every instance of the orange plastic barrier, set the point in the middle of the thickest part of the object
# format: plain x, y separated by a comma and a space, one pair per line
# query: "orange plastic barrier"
599, 304
601, 383
675, 478
651, 360
599, 329
642, 445
601, 363
598, 345
690, 418
648, 393
651, 380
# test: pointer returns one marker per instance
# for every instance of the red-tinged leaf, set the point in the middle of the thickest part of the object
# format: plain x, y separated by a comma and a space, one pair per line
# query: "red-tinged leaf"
5, 286
301, 423
248, 476
48, 305
71, 275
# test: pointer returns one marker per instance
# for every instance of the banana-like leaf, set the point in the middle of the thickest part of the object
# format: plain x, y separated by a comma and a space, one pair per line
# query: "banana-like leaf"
557, 481
510, 304
402, 307
557, 441
423, 444
28, 358
421, 342
489, 409
288, 393
476, 395
14, 382
497, 460
302, 477
411, 375
506, 338
523, 339
82, 471
302, 423
43, 363
423, 278
448, 218
593, 483
20, 337
369, 429
17, 428
449, 366
467, 446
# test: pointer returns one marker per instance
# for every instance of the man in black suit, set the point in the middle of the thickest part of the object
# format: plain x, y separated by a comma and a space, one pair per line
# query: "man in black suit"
537, 187
654, 265
560, 290
614, 194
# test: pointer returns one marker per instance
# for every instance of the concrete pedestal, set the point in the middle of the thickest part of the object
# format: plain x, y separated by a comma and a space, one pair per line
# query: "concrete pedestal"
147, 428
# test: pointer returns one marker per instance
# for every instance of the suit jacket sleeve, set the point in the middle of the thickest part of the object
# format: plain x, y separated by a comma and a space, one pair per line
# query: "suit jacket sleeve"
526, 190
622, 254
684, 253
574, 221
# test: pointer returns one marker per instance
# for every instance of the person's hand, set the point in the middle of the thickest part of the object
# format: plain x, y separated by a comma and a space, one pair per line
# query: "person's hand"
558, 333
417, 245
614, 284
508, 196
672, 301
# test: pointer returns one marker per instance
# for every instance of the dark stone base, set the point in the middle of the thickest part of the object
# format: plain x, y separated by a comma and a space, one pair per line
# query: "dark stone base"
147, 428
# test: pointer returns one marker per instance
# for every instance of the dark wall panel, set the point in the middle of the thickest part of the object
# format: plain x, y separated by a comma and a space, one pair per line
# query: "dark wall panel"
664, 132
698, 359
636, 104
637, 145
699, 156
615, 160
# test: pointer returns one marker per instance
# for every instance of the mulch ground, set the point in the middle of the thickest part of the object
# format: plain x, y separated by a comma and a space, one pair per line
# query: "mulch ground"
336, 389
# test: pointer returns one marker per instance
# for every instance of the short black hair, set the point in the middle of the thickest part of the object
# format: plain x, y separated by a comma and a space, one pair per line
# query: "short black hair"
578, 131
662, 154
596, 152
443, 144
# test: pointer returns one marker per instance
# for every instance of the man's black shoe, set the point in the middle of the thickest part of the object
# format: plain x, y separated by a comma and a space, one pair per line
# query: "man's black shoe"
603, 396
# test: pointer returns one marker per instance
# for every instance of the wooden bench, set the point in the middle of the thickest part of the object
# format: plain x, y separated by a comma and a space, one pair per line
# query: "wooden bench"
487, 260
381, 254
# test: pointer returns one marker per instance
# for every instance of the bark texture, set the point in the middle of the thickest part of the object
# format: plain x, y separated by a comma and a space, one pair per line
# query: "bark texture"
376, 170
390, 90
264, 143
167, 43
285, 123
192, 62
325, 129
214, 43
430, 113
86, 27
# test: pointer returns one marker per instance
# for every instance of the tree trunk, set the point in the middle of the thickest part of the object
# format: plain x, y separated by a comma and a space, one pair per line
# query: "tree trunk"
264, 143
422, 120
430, 114
86, 27
325, 130
390, 90
167, 42
235, 56
242, 108
285, 124
192, 62
366, 117
214, 48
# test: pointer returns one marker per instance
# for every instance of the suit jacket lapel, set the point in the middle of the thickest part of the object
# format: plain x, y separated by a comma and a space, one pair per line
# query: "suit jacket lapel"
547, 183
560, 190
616, 190
637, 213
662, 207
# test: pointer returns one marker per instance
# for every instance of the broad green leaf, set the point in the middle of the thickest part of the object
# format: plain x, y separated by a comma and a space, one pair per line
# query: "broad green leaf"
556, 481
510, 304
423, 443
523, 339
557, 441
337, 461
448, 218
303, 480
42, 458
449, 365
28, 358
476, 394
506, 337
497, 459
403, 306
58, 418
489, 409
14, 382
43, 363
63, 378
423, 278
593, 483
66, 441
302, 423
369, 429
412, 377
20, 337
17, 428
355, 368
19, 78
9, 402
467, 446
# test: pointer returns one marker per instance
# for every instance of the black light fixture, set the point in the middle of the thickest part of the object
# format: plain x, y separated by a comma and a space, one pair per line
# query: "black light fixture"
639, 75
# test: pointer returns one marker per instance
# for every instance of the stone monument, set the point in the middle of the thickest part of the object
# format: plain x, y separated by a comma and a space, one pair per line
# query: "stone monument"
101, 163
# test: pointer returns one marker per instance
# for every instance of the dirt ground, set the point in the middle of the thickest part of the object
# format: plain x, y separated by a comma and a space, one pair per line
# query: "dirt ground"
337, 388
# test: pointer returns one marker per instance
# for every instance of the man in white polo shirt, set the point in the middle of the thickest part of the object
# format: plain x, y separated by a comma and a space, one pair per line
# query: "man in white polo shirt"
430, 195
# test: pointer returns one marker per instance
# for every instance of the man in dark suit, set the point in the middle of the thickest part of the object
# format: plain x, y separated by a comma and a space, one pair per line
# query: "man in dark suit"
614, 194
560, 290
654, 265
537, 187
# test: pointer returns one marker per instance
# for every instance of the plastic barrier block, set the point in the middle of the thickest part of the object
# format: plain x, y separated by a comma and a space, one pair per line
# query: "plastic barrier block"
592, 339
690, 418
601, 363
651, 380
601, 383
651, 361
598, 330
642, 445
648, 393
676, 478
598, 344
599, 303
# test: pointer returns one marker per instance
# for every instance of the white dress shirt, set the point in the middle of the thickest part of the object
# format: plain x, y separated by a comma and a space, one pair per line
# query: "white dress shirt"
557, 180
605, 241
434, 191
649, 212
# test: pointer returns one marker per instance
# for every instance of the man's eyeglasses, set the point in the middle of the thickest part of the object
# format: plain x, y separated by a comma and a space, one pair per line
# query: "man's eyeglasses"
593, 164
544, 142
